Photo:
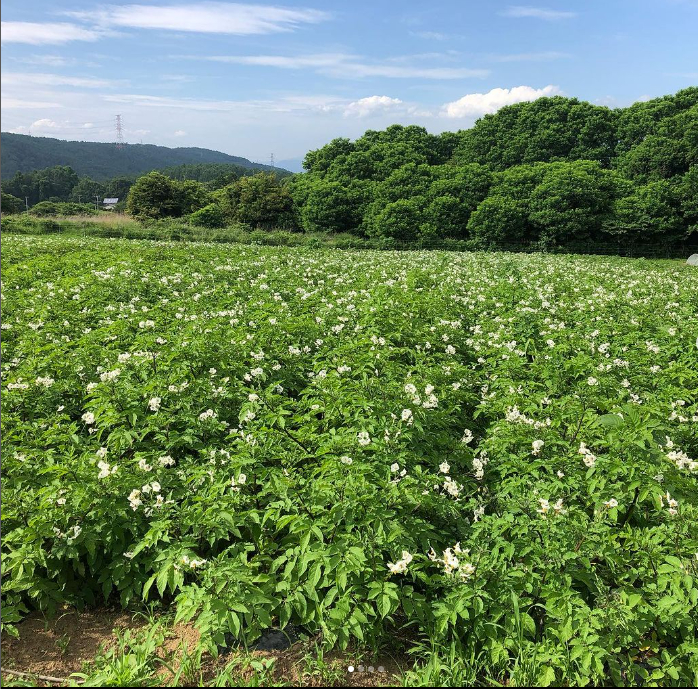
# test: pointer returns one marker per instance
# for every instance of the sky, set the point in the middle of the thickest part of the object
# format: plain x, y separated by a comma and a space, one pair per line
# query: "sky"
262, 79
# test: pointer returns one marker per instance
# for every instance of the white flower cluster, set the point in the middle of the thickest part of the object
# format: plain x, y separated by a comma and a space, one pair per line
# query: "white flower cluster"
431, 401
680, 458
587, 454
236, 483
108, 376
452, 564
19, 385
106, 470
453, 488
537, 447
193, 563
479, 464
363, 438
208, 414
70, 536
545, 507
134, 499
513, 415
400, 567
671, 504
46, 381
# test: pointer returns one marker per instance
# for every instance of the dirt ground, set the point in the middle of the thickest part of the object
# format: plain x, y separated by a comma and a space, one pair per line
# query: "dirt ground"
60, 646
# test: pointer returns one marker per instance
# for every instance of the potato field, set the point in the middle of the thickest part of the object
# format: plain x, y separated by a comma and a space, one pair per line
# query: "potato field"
495, 453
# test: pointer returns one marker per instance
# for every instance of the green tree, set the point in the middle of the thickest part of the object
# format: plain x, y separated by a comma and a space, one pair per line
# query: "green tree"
573, 201
11, 204
87, 191
500, 220
545, 130
399, 220
687, 194
328, 208
262, 201
153, 197
649, 213
210, 216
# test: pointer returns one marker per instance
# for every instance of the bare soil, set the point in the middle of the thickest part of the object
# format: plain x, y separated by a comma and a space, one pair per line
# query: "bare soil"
60, 646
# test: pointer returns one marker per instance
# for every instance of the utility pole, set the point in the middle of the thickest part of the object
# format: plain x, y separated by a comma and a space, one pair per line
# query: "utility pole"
26, 203
119, 133
96, 201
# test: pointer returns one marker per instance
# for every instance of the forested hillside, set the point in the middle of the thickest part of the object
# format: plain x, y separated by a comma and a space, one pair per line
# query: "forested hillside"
101, 161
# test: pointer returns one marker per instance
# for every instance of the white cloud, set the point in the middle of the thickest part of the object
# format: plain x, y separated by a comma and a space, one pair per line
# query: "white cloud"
44, 124
180, 132
43, 79
9, 103
48, 60
36, 33
206, 17
285, 61
371, 105
537, 13
400, 72
478, 104
342, 65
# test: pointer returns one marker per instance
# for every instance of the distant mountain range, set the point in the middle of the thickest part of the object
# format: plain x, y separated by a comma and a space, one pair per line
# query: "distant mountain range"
101, 161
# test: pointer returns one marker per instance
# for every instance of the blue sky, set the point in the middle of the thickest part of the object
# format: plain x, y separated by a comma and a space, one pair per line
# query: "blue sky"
252, 79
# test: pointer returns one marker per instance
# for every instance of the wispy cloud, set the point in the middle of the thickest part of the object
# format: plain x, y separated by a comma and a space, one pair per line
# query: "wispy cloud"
537, 13
47, 60
205, 17
545, 56
429, 35
9, 103
478, 104
43, 79
57, 33
316, 61
287, 104
341, 65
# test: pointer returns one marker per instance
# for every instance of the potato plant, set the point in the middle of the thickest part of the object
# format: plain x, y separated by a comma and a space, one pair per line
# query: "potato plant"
492, 450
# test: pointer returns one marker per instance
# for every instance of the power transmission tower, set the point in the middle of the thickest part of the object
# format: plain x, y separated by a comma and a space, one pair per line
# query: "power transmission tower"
272, 160
119, 133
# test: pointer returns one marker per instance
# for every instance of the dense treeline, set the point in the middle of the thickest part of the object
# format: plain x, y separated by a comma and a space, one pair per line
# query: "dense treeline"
61, 184
101, 161
552, 172
555, 171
